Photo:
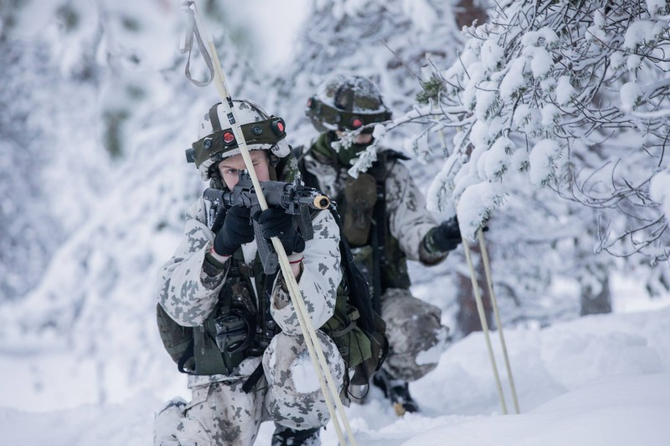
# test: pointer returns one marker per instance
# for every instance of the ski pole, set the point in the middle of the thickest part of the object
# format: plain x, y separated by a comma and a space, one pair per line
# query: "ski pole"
496, 312
485, 325
311, 340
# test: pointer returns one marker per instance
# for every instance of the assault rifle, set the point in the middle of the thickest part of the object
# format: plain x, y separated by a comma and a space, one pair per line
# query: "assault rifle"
295, 198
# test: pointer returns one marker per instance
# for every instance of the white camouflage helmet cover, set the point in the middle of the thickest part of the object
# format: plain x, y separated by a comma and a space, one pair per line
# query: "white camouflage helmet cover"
341, 100
366, 98
246, 112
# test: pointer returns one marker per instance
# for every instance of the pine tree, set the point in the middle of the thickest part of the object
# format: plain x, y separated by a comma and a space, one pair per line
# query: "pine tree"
570, 96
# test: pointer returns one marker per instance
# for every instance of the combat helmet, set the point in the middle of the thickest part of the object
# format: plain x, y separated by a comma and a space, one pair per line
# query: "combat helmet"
346, 103
216, 140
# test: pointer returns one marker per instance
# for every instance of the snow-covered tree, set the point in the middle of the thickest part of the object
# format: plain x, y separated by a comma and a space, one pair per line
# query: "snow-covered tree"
574, 94
568, 95
119, 103
388, 41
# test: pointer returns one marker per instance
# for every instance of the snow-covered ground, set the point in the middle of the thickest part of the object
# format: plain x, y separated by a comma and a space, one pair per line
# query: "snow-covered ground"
599, 380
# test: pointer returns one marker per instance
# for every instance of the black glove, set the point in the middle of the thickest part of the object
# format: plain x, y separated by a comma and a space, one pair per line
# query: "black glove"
447, 236
236, 231
277, 223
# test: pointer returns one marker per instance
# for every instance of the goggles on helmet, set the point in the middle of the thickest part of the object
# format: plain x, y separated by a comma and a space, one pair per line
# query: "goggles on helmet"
270, 132
344, 120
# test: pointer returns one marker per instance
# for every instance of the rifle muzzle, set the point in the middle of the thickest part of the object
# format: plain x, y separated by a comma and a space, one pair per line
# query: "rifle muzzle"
321, 202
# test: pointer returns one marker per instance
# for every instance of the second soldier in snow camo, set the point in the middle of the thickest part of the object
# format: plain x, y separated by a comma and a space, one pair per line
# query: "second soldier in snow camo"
385, 223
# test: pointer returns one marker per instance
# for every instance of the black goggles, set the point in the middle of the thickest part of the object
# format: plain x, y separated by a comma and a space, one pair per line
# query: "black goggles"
345, 120
270, 131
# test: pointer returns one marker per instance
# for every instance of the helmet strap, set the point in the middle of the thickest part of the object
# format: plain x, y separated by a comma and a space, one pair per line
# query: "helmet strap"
214, 118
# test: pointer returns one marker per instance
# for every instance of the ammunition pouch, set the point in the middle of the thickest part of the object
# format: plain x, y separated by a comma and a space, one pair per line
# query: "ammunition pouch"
360, 195
234, 331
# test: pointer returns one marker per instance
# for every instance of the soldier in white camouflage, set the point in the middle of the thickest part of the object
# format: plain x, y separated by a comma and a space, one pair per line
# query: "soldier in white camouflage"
213, 289
385, 222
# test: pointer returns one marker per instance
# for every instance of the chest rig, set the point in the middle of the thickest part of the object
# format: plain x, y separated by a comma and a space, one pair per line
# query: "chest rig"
240, 326
366, 226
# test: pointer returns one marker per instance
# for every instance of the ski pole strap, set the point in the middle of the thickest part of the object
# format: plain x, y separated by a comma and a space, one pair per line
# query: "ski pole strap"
186, 46
250, 384
188, 354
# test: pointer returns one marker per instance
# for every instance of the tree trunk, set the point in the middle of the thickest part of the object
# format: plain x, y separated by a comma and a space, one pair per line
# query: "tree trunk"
467, 13
596, 300
467, 318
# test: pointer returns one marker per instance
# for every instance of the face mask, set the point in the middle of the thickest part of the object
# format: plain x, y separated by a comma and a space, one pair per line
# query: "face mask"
347, 155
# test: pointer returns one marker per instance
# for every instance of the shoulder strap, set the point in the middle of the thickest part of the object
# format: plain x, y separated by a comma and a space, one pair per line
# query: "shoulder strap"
378, 236
185, 357
307, 177
359, 292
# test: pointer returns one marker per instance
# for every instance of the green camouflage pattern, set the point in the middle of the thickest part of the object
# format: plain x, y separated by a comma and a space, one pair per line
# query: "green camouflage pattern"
416, 327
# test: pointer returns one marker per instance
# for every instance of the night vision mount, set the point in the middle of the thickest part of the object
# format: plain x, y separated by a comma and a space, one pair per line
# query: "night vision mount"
270, 132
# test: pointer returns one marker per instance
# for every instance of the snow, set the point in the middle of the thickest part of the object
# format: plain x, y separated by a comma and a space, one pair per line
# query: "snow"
498, 157
550, 114
564, 90
304, 376
542, 37
514, 80
418, 147
475, 207
656, 7
543, 160
638, 33
492, 55
421, 13
600, 380
80, 358
541, 63
621, 411
631, 94
486, 99
659, 190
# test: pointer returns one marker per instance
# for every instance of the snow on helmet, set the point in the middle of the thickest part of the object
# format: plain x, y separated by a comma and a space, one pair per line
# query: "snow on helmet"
346, 103
216, 140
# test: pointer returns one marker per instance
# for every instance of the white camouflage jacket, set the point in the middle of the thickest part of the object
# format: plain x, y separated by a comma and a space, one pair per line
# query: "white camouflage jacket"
188, 294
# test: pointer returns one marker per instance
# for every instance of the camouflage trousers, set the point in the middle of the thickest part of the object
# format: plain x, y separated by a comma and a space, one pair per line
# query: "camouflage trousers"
222, 414
416, 335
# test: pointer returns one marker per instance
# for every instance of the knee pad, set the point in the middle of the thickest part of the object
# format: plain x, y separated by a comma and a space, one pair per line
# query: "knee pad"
416, 335
294, 398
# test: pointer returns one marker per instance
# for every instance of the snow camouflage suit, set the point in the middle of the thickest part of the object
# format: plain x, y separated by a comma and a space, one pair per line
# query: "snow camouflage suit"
220, 412
413, 326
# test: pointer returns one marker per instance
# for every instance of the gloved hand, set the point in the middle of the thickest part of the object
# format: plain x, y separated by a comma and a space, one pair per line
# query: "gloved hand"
236, 231
277, 223
447, 236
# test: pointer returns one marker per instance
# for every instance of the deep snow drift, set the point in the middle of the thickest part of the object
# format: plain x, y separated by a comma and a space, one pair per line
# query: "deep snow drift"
599, 380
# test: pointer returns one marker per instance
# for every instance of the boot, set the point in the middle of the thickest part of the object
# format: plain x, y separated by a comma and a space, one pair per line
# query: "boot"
284, 436
397, 391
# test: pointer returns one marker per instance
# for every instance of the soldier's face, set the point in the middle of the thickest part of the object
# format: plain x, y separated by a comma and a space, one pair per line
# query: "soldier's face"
230, 167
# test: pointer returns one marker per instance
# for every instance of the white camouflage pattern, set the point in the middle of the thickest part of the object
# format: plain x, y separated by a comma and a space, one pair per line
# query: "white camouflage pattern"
220, 413
413, 327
